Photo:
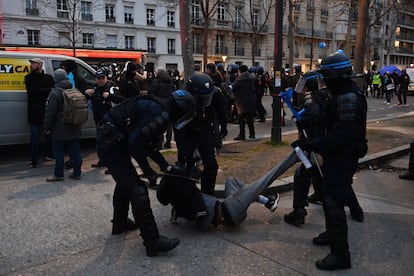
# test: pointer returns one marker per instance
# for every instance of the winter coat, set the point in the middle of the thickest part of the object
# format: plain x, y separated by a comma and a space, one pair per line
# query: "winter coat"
129, 86
244, 89
54, 114
38, 86
100, 105
161, 86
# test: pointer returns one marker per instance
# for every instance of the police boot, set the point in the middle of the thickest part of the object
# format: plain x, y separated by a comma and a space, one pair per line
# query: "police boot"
301, 183
120, 222
357, 213
339, 258
296, 217
142, 212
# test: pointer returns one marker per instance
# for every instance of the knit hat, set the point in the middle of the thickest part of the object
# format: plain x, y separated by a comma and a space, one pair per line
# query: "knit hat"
60, 75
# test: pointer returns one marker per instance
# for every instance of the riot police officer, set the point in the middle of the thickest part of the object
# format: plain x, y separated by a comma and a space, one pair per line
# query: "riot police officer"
124, 133
200, 134
311, 125
340, 148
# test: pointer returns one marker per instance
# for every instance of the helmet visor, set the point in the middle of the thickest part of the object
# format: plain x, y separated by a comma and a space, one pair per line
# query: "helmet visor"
300, 85
204, 100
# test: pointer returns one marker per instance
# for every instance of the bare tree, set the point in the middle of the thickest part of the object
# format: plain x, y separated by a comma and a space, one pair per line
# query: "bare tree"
254, 23
186, 41
361, 36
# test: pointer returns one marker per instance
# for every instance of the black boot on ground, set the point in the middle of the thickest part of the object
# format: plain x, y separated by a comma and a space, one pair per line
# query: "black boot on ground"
296, 217
407, 176
332, 262
357, 214
321, 239
162, 244
315, 199
119, 228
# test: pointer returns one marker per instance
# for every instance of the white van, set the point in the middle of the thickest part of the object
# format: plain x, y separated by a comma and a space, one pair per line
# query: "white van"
410, 73
14, 128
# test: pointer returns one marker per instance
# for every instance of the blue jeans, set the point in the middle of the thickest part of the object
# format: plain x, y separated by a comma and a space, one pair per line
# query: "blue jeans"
34, 143
74, 153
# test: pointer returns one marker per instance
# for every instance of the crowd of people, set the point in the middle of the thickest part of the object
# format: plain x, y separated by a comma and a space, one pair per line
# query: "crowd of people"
131, 125
389, 84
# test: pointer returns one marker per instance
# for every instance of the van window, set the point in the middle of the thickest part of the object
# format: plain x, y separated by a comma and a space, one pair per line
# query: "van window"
82, 72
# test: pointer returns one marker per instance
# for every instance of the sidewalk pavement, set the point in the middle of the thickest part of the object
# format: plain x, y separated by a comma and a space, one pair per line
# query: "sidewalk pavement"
64, 228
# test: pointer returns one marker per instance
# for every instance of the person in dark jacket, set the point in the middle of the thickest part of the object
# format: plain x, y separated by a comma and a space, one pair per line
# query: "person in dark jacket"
162, 86
129, 85
102, 97
38, 86
404, 81
124, 134
244, 89
62, 134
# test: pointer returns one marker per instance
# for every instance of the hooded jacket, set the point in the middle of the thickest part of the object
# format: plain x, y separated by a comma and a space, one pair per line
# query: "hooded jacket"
54, 111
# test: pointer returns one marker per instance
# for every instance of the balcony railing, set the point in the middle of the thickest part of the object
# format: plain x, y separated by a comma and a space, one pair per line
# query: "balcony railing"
87, 17
404, 50
171, 24
197, 21
151, 50
110, 19
239, 52
151, 22
129, 20
220, 50
406, 36
171, 51
197, 49
63, 14
30, 11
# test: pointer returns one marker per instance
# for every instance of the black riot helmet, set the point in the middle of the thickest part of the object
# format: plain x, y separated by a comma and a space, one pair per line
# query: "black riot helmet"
201, 86
186, 107
313, 80
336, 65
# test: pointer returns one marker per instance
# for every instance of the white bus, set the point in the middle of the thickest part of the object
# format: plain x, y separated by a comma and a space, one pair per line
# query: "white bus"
14, 128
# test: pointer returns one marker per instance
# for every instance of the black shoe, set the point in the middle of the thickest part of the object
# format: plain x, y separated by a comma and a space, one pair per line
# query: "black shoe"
240, 138
357, 214
130, 225
296, 217
74, 177
332, 262
407, 176
322, 239
162, 244
33, 165
315, 199
252, 136
272, 203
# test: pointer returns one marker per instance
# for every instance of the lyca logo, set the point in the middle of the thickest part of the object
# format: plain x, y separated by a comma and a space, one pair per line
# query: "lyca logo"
10, 69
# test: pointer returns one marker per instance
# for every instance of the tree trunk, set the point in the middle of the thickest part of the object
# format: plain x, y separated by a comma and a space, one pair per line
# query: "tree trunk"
361, 36
186, 41
290, 35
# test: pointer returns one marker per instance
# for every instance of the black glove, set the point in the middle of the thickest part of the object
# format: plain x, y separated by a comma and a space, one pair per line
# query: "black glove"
304, 144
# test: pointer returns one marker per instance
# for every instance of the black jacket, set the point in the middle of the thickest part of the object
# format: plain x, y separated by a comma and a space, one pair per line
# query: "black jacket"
244, 89
161, 86
129, 86
38, 86
100, 105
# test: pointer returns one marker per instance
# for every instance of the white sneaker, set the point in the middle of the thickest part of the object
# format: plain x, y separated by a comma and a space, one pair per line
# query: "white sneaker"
272, 203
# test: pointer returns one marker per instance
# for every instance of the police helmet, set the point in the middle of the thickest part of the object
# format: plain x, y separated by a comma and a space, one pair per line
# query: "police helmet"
336, 65
253, 69
201, 86
186, 105
313, 80
220, 66
232, 68
260, 70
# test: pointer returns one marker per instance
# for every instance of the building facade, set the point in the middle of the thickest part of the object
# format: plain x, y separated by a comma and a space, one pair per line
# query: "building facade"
237, 31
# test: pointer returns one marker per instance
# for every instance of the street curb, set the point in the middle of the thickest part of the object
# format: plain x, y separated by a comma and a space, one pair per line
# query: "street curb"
286, 184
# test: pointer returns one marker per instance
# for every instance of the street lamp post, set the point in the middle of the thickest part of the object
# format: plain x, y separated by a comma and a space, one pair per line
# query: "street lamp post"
276, 135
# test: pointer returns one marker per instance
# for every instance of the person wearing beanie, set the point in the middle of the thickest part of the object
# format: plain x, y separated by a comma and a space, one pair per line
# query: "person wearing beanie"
62, 134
